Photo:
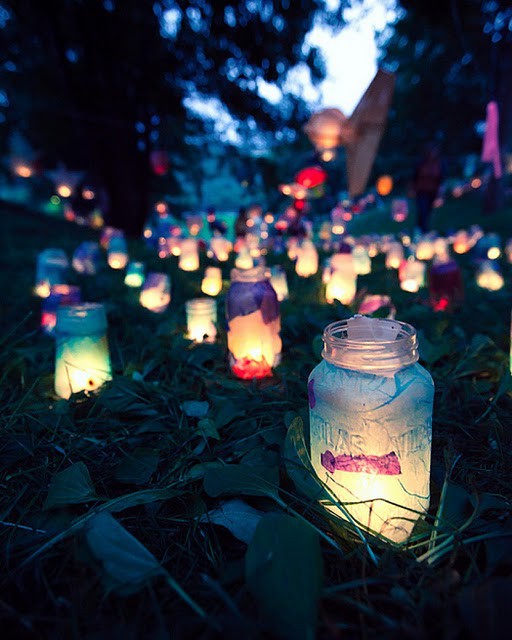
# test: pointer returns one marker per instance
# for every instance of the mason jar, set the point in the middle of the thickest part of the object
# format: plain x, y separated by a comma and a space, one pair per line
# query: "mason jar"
253, 320
371, 424
201, 319
82, 359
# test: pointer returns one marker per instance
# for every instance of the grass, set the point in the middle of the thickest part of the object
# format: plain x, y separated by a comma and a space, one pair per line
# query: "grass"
123, 544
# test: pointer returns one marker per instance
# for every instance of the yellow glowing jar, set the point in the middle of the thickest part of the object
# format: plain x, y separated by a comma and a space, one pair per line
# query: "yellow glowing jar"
189, 256
461, 242
307, 259
244, 259
82, 361
212, 281
394, 255
117, 256
201, 319
425, 249
342, 283
489, 276
371, 425
362, 261
279, 282
411, 275
156, 292
52, 268
134, 275
221, 248
252, 312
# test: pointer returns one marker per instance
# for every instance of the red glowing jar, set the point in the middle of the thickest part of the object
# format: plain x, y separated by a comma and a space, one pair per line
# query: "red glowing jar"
445, 286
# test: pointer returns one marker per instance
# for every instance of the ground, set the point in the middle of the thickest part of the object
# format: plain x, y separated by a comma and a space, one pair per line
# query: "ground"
108, 502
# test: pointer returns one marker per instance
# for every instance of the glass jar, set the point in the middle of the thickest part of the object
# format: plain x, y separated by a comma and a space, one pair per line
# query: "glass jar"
82, 359
279, 282
445, 285
64, 295
117, 256
252, 311
371, 424
135, 275
156, 292
52, 267
201, 319
212, 281
86, 258
189, 255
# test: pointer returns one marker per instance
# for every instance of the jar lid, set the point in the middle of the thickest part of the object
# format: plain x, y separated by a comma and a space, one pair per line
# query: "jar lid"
201, 305
82, 319
375, 345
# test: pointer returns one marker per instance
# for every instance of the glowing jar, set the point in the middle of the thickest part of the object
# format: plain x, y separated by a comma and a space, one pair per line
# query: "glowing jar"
156, 292
189, 256
411, 274
394, 255
488, 276
362, 261
134, 275
307, 259
425, 249
493, 246
377, 304
212, 281
399, 209
82, 360
86, 258
252, 312
243, 259
445, 286
60, 295
342, 284
117, 257
461, 242
279, 282
52, 267
221, 248
201, 319
371, 424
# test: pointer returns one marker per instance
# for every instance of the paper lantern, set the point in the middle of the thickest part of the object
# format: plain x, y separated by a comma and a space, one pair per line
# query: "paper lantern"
399, 209
52, 267
82, 360
156, 292
445, 286
252, 312
86, 258
189, 256
307, 259
488, 276
212, 281
221, 248
243, 259
279, 282
311, 177
384, 185
117, 256
372, 304
394, 255
362, 261
342, 284
134, 275
411, 274
60, 295
328, 129
201, 319
370, 407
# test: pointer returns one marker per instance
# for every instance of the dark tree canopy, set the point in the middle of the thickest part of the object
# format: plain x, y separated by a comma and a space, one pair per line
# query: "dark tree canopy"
99, 83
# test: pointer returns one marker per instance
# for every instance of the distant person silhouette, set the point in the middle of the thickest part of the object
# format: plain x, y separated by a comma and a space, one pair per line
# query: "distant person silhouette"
428, 177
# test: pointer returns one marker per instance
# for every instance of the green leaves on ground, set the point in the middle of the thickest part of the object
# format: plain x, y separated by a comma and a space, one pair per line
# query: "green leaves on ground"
240, 479
138, 466
237, 516
284, 573
71, 486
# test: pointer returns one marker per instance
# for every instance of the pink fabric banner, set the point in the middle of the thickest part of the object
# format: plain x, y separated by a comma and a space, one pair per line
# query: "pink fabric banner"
491, 145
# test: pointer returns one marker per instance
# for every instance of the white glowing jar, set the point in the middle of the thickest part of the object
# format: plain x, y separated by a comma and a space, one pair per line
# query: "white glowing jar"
189, 256
134, 275
342, 284
82, 360
201, 319
279, 282
411, 275
156, 292
52, 267
307, 259
371, 424
362, 260
212, 281
117, 257
394, 255
425, 249
243, 259
489, 277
